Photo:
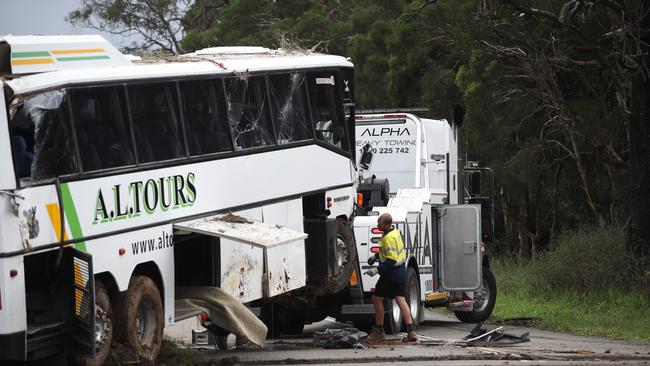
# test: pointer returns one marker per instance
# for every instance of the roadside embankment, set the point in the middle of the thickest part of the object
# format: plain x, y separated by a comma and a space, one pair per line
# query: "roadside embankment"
584, 284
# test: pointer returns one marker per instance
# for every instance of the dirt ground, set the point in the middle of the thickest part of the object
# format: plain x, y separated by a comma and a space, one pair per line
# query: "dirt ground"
438, 333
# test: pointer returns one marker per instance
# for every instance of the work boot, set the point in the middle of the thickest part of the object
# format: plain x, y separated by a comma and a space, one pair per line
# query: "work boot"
377, 334
410, 334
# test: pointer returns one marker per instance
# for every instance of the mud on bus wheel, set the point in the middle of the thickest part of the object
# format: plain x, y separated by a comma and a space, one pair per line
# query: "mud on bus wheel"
104, 324
346, 256
139, 317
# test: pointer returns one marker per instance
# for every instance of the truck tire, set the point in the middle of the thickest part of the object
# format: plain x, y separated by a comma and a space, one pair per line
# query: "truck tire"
103, 328
139, 317
393, 318
484, 300
414, 299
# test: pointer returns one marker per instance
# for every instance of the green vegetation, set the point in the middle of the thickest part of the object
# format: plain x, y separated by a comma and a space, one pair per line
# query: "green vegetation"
582, 285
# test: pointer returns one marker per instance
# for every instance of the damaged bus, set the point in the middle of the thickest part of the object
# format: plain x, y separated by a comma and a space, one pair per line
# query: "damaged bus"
117, 174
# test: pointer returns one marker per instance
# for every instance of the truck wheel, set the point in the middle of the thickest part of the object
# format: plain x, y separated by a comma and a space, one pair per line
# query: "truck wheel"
139, 315
414, 299
103, 328
393, 317
484, 300
346, 256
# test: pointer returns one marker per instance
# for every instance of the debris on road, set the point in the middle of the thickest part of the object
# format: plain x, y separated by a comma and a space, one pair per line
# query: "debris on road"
480, 337
340, 338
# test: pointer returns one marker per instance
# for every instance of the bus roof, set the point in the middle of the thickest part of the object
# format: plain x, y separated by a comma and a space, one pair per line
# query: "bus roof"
210, 61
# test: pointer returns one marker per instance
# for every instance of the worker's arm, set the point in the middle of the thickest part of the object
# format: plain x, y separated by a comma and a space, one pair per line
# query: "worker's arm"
385, 265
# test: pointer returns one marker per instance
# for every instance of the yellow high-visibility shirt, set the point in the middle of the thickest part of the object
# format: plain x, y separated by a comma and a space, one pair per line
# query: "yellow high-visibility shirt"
392, 247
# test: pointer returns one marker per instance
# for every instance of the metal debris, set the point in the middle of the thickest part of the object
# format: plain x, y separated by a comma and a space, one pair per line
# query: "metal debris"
340, 338
480, 337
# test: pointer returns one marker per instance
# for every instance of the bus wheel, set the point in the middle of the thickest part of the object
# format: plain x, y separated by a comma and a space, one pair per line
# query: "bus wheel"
103, 328
346, 256
413, 298
484, 300
139, 313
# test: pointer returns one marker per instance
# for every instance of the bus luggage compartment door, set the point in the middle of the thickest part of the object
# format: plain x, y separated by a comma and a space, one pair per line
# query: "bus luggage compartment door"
253, 255
460, 251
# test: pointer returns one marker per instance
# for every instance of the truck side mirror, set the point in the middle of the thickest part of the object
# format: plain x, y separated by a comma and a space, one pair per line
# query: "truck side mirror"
475, 183
459, 114
366, 157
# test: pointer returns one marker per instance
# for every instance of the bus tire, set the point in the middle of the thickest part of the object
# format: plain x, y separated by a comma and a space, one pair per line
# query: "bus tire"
485, 300
140, 317
347, 252
103, 324
414, 299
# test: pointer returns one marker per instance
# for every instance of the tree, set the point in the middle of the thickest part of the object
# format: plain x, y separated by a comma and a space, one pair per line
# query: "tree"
156, 22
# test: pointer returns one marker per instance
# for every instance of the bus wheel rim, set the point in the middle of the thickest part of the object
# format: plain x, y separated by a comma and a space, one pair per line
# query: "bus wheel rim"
102, 326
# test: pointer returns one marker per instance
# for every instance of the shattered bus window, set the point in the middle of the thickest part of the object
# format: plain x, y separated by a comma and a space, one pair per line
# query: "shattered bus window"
248, 112
204, 112
155, 123
326, 109
41, 141
289, 104
101, 128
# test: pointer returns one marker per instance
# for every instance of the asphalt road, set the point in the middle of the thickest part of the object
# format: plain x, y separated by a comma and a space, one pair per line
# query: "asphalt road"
439, 331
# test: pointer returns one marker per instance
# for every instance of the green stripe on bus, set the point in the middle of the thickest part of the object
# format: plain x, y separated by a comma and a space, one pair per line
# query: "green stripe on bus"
30, 54
71, 214
82, 58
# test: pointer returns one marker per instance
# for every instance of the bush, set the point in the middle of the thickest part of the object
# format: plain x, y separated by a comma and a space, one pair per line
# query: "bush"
585, 260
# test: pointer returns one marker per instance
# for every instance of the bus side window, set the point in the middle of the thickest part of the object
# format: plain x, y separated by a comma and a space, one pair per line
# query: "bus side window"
42, 141
290, 109
204, 112
155, 123
326, 109
102, 132
248, 112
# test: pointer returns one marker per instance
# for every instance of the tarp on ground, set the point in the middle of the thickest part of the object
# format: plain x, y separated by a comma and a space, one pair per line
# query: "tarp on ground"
224, 310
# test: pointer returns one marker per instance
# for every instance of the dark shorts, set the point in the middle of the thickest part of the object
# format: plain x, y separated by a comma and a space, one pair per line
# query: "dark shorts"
386, 288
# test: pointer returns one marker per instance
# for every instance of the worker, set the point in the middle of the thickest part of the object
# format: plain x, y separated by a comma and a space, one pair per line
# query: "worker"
392, 279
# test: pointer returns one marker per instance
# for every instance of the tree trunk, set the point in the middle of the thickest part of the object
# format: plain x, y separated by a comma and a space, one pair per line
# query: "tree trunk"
639, 180
639, 232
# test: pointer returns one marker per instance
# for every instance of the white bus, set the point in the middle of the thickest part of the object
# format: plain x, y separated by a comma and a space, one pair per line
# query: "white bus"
108, 163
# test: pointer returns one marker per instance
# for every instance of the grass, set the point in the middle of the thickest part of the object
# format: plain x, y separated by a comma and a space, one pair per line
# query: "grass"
595, 309
613, 314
